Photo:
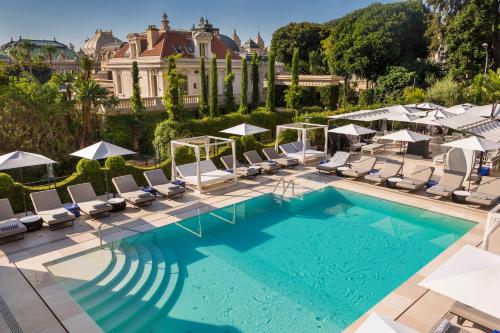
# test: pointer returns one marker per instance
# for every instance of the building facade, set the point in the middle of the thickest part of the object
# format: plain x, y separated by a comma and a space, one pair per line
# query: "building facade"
101, 48
152, 48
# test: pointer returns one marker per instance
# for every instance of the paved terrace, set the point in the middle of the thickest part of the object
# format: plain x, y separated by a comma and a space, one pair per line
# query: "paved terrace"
34, 302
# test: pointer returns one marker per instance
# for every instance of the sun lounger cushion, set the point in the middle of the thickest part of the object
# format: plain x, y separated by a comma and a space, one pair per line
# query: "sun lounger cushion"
255, 160
6, 211
209, 174
128, 190
360, 168
339, 159
84, 196
11, 227
169, 189
156, 178
487, 193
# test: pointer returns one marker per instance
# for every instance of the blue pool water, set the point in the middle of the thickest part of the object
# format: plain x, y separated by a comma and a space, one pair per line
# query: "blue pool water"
313, 264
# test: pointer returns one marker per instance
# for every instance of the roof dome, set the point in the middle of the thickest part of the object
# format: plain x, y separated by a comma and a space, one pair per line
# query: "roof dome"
229, 43
92, 46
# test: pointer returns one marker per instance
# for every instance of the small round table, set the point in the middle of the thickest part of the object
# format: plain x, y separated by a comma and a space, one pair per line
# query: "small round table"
32, 222
459, 196
118, 204
391, 182
340, 169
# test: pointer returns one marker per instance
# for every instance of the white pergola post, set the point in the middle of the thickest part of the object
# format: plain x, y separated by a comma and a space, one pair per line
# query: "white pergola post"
233, 152
207, 151
173, 175
326, 140
304, 143
198, 169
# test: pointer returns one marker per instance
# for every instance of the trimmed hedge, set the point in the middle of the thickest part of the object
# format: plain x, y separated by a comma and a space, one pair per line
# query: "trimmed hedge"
86, 171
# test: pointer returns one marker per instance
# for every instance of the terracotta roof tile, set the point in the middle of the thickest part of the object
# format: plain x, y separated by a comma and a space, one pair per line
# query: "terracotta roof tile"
220, 49
121, 52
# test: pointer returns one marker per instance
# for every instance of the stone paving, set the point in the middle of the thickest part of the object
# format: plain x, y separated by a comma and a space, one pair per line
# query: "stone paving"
39, 304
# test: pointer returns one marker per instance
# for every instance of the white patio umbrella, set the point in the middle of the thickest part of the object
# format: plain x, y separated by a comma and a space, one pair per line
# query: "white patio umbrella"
376, 323
403, 117
405, 136
470, 277
460, 108
244, 129
20, 159
102, 150
473, 143
427, 106
352, 130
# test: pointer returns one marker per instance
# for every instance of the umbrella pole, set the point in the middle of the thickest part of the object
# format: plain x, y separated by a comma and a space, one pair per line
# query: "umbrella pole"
404, 154
471, 169
24, 194
106, 180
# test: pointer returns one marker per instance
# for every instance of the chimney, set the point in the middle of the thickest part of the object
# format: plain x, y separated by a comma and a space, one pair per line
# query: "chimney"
152, 35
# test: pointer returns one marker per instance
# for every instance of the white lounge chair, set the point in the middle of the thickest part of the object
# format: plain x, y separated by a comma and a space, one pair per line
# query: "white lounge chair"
450, 182
128, 189
339, 159
255, 160
389, 169
241, 170
10, 227
417, 179
361, 167
487, 193
285, 162
49, 207
84, 196
156, 179
209, 174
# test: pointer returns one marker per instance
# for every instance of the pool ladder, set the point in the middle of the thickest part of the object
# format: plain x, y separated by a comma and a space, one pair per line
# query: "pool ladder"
284, 187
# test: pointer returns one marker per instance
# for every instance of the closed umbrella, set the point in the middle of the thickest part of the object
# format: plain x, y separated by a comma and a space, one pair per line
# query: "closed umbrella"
405, 136
352, 130
20, 159
376, 323
244, 129
471, 277
460, 108
102, 150
473, 143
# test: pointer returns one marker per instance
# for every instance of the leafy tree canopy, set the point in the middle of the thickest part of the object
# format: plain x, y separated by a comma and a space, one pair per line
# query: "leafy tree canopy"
369, 40
305, 36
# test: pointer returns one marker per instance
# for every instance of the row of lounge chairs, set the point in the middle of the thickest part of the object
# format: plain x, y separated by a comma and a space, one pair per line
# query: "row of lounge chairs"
487, 193
49, 208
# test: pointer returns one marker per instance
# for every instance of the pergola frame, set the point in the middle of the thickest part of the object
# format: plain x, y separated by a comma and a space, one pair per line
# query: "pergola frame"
302, 129
201, 142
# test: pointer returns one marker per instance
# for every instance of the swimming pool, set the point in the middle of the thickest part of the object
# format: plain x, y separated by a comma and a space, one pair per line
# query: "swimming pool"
312, 264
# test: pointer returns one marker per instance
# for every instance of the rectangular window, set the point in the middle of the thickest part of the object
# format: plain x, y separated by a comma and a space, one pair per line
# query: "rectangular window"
154, 84
194, 86
118, 83
202, 50
184, 83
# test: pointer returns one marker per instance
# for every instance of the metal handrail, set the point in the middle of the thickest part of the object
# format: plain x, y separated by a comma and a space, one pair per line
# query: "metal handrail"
286, 185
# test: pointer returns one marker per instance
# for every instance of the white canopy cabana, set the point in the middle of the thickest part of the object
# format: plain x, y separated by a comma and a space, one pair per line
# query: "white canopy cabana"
202, 172
376, 323
470, 277
300, 149
472, 124
244, 129
485, 110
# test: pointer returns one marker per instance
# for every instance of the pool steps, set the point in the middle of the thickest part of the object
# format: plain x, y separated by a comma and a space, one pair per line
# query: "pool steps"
133, 289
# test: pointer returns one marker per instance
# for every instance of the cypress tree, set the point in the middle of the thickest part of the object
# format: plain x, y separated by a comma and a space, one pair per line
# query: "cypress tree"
255, 80
214, 92
228, 85
204, 91
271, 77
174, 94
294, 93
137, 105
244, 86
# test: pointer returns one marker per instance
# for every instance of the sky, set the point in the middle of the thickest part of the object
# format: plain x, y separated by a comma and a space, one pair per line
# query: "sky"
72, 21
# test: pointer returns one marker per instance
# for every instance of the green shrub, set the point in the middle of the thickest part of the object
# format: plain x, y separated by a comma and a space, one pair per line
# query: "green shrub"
445, 92
390, 86
366, 97
329, 96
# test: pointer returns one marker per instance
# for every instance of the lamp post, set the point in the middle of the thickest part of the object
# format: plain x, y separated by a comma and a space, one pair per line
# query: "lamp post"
485, 47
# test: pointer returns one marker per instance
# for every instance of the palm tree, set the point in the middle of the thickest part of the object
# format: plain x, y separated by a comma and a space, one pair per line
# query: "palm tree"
86, 63
27, 46
48, 51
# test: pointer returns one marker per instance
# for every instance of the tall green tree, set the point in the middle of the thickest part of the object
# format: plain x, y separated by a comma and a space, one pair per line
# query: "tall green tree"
49, 51
137, 106
368, 41
255, 80
204, 89
305, 36
244, 86
214, 91
271, 81
294, 93
228, 85
173, 97
27, 47
316, 63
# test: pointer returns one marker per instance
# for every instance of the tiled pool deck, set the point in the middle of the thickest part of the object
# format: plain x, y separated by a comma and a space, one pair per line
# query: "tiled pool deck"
39, 304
